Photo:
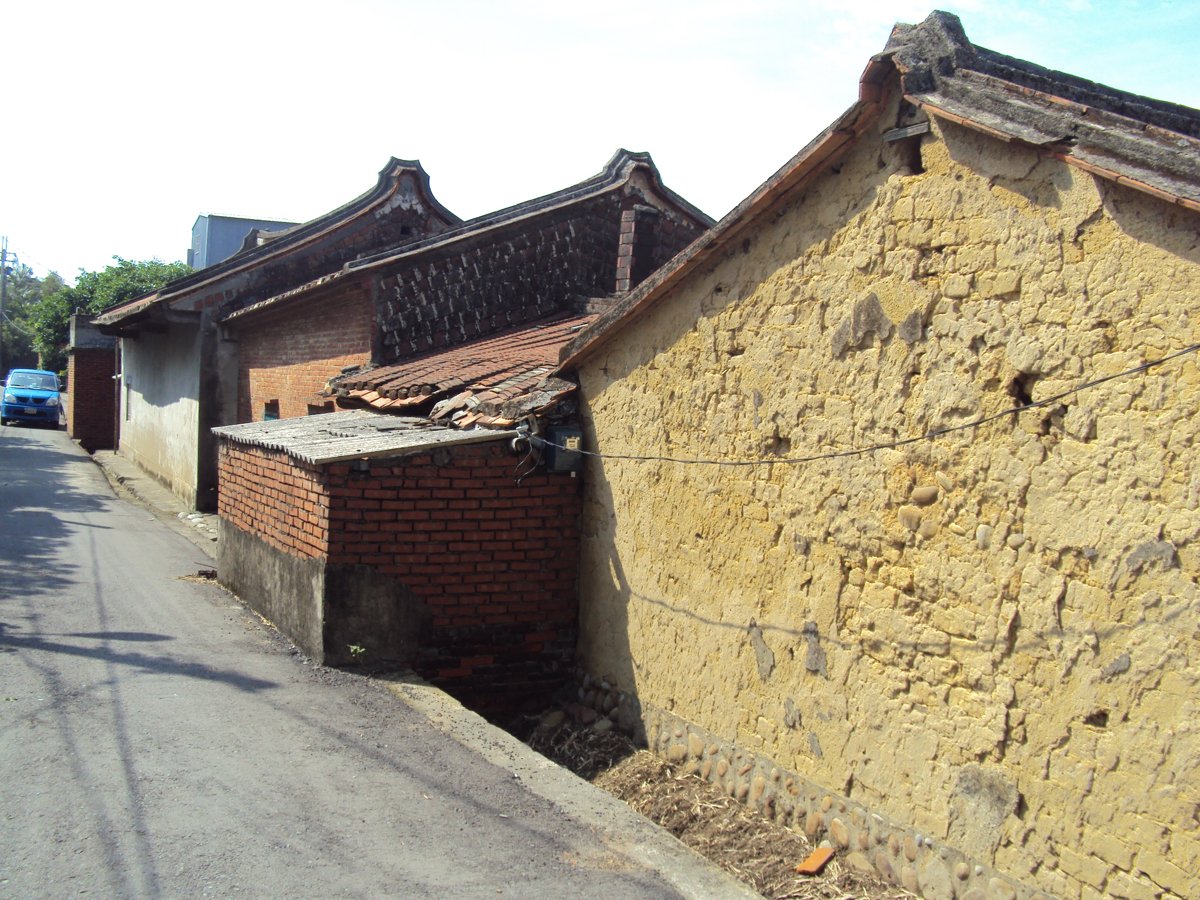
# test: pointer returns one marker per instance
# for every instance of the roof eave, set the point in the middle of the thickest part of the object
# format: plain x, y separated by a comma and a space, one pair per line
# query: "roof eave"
801, 168
1062, 154
386, 185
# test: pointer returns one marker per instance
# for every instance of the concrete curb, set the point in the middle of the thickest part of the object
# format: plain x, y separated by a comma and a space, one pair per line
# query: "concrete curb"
622, 829
131, 483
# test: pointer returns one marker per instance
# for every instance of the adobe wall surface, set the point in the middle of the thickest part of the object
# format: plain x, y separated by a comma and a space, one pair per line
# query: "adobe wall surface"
989, 638
289, 357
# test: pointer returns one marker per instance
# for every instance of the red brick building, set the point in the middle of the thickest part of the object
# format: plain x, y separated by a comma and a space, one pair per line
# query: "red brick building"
432, 541
395, 542
569, 252
91, 367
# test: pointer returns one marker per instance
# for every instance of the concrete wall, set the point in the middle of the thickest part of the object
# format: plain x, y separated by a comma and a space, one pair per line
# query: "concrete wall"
988, 638
160, 407
286, 589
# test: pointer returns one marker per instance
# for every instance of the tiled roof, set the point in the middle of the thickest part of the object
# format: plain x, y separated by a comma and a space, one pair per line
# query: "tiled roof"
494, 381
619, 170
396, 176
1146, 144
354, 434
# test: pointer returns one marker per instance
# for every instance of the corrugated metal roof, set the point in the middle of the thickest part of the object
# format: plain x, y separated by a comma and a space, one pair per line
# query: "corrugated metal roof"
354, 434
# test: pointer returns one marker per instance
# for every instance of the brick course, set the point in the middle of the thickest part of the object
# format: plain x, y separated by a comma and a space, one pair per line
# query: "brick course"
91, 417
493, 561
288, 357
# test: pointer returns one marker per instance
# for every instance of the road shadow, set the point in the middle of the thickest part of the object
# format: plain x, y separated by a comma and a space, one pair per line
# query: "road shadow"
37, 489
143, 662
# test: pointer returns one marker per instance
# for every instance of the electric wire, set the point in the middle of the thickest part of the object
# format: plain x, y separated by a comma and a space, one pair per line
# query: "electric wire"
887, 445
9, 319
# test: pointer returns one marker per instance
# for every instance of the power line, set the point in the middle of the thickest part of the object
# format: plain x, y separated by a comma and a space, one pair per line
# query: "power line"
11, 321
26, 258
889, 445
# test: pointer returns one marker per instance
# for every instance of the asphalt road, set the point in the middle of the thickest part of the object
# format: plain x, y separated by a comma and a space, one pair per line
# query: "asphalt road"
157, 740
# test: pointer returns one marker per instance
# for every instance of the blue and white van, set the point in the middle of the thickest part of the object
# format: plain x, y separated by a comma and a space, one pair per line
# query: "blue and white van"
30, 395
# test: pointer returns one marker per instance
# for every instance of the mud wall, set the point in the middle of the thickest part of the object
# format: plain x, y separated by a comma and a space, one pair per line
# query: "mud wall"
988, 637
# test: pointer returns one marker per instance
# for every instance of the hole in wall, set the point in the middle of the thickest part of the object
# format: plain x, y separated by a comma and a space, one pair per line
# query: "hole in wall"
1022, 807
1021, 389
1097, 719
908, 154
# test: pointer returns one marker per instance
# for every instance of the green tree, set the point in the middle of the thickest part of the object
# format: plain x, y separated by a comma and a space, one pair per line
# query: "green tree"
23, 292
92, 293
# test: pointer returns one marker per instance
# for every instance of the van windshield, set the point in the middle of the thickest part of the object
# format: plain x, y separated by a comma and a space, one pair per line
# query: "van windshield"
33, 380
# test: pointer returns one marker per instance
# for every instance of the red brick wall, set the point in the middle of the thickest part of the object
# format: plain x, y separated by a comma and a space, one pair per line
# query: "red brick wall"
91, 413
280, 499
289, 356
493, 562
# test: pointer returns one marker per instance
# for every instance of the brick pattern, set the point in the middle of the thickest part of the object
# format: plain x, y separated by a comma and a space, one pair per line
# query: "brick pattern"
289, 358
636, 254
362, 236
279, 499
510, 275
494, 561
91, 415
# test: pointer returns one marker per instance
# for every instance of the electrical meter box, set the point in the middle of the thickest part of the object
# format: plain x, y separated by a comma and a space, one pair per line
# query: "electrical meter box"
568, 459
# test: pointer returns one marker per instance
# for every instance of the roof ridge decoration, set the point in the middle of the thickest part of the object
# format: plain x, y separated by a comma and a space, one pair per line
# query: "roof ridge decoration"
939, 47
387, 191
620, 169
1148, 145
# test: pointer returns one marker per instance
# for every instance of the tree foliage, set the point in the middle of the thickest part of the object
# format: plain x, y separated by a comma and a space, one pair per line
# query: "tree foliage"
23, 292
93, 293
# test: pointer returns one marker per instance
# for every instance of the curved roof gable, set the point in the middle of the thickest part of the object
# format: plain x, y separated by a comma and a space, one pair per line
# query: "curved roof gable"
401, 183
624, 166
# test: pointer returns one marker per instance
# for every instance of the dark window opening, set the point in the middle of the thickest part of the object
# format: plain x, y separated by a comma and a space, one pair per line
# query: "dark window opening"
909, 151
270, 410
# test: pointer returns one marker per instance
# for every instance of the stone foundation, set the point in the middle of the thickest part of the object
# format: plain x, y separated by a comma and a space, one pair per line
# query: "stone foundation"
865, 840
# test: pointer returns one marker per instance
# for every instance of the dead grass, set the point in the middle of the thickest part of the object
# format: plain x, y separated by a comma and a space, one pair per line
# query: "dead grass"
761, 853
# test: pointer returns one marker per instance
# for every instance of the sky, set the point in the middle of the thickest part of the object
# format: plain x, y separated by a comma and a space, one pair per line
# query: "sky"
128, 119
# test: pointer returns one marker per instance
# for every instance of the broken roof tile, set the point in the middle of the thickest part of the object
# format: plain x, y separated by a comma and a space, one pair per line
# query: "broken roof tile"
494, 381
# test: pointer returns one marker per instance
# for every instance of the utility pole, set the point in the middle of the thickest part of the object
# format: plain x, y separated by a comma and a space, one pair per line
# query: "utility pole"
3, 297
